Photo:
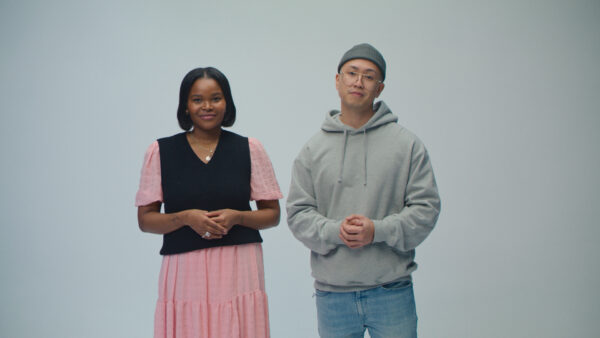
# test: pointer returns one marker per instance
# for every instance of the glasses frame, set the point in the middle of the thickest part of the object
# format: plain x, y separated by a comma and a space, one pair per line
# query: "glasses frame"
361, 76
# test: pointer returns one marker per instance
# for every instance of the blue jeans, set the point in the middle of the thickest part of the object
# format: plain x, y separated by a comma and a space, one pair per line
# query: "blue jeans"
386, 311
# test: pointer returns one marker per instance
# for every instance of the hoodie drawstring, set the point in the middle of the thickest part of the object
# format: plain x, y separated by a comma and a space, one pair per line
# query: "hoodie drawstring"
343, 156
333, 124
366, 144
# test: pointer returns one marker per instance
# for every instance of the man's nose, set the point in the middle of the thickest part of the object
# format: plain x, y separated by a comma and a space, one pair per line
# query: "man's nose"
359, 80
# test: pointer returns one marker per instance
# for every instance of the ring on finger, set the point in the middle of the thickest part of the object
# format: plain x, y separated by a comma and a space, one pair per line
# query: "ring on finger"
206, 234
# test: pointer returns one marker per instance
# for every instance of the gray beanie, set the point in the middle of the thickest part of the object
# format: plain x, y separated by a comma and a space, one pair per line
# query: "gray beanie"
367, 52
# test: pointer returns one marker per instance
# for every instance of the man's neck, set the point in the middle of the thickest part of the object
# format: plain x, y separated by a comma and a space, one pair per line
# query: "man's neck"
355, 118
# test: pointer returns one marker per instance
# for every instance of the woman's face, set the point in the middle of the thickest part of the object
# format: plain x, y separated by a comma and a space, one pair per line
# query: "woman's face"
206, 104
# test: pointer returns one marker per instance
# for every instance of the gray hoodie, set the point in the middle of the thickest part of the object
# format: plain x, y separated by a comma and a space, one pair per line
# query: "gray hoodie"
380, 170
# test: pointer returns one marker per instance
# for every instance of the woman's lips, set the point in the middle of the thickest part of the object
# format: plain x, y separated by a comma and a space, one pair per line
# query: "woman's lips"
207, 116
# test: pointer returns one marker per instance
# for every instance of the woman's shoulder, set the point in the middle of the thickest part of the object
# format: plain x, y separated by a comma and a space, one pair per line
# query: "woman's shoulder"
253, 141
172, 137
231, 134
152, 148
257, 150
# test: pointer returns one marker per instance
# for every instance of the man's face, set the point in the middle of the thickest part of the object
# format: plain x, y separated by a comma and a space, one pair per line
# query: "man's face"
358, 84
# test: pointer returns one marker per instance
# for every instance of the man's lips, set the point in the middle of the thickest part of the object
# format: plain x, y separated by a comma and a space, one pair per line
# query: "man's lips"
356, 93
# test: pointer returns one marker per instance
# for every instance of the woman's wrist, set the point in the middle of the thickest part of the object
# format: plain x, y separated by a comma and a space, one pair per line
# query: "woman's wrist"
240, 218
180, 218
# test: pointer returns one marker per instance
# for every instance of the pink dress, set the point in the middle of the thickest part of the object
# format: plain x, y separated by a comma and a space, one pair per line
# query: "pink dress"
215, 292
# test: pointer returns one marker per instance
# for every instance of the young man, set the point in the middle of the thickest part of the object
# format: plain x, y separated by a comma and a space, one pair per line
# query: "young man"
363, 196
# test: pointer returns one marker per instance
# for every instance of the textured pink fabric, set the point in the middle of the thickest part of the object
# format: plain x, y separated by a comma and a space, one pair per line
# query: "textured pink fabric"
217, 292
150, 189
263, 183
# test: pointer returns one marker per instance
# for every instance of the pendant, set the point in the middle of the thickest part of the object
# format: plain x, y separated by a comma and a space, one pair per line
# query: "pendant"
207, 158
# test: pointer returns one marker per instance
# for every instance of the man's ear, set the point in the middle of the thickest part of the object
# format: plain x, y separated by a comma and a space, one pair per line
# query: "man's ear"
380, 89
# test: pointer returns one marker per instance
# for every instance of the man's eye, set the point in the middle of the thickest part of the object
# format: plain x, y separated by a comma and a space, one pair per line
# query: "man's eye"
369, 77
352, 74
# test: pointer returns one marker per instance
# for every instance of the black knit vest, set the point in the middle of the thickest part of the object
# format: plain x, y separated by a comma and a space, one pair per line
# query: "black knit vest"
189, 183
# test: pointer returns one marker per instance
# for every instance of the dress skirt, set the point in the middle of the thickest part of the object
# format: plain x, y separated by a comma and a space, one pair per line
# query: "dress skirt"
215, 292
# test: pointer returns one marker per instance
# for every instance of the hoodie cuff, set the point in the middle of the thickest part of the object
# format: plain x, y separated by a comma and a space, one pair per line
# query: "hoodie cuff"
381, 231
332, 232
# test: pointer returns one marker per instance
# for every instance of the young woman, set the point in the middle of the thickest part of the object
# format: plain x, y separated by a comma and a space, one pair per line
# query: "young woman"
212, 278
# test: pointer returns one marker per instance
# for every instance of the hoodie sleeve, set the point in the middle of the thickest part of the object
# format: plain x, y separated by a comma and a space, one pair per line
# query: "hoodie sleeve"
408, 228
317, 232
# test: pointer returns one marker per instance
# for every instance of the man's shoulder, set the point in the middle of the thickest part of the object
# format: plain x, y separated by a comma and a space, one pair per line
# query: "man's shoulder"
319, 138
397, 133
317, 143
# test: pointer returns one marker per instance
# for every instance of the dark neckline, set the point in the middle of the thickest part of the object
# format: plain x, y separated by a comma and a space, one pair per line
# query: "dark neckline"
193, 153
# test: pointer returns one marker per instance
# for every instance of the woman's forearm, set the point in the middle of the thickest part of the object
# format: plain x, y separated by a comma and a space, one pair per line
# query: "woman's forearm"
265, 217
150, 219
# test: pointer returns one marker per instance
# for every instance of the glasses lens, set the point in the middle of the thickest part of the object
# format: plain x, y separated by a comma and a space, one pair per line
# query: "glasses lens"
350, 78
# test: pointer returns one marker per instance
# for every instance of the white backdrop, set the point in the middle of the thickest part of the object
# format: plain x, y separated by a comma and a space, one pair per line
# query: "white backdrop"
505, 94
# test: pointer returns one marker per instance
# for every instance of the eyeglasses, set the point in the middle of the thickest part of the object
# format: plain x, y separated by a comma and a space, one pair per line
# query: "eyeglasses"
350, 78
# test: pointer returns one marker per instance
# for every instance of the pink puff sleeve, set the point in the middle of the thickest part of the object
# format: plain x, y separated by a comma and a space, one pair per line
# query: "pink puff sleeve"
263, 183
150, 189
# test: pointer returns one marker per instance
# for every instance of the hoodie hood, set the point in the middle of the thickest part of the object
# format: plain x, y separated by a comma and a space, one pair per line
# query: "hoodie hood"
383, 115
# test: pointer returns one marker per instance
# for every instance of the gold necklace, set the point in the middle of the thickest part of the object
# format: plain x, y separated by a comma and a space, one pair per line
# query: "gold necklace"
210, 151
208, 157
